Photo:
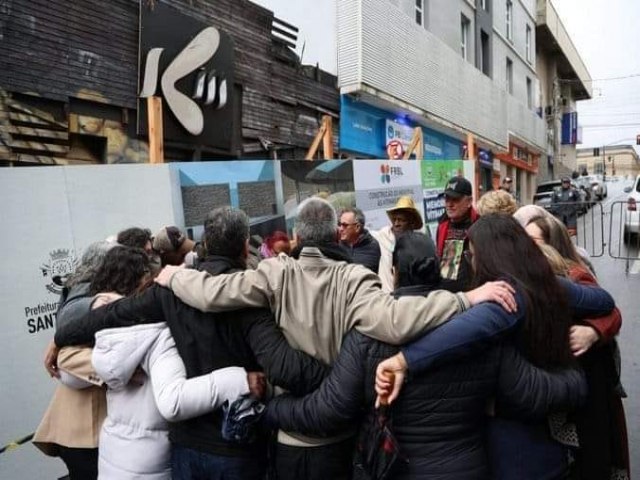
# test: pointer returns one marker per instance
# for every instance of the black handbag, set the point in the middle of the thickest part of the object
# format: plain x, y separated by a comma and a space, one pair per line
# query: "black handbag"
377, 450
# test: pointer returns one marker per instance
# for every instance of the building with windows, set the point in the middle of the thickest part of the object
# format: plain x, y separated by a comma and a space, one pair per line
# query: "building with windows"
618, 160
71, 81
453, 68
564, 80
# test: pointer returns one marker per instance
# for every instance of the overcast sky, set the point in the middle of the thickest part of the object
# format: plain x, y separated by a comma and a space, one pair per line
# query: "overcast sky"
606, 34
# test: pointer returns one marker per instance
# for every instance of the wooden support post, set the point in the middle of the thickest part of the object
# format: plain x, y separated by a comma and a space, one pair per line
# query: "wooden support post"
327, 139
324, 135
416, 145
154, 120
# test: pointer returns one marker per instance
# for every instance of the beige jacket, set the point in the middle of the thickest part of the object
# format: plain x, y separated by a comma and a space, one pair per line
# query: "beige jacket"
74, 417
316, 301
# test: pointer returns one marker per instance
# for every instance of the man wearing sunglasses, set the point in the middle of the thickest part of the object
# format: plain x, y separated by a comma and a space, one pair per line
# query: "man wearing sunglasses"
364, 249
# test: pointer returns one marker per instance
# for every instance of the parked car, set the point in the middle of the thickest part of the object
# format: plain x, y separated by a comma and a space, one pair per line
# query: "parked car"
632, 215
545, 190
544, 193
598, 186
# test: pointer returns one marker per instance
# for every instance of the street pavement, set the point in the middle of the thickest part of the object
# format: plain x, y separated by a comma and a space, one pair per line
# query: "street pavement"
621, 277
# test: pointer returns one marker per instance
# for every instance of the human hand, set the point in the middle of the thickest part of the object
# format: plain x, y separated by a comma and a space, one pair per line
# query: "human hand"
51, 359
257, 384
166, 274
499, 292
390, 375
582, 338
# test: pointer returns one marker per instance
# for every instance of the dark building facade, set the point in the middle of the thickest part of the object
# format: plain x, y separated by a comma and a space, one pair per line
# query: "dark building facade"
70, 81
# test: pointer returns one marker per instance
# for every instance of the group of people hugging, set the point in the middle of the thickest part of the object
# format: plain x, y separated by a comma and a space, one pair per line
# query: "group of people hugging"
227, 372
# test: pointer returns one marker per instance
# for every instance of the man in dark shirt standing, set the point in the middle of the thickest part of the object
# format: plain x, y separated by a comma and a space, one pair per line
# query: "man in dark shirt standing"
364, 249
451, 237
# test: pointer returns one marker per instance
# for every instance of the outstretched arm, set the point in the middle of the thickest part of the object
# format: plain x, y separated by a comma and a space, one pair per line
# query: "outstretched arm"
179, 398
335, 404
284, 366
145, 307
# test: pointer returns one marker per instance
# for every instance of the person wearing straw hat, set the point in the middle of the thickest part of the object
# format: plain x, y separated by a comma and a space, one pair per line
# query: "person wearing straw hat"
404, 217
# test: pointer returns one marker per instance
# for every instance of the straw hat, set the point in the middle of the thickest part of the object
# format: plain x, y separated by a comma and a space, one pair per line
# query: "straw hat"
406, 204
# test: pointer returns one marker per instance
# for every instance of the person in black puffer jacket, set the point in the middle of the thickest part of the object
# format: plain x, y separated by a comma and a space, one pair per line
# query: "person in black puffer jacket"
363, 248
439, 420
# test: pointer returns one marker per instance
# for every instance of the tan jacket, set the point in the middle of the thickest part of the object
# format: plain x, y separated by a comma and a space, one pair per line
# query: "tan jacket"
74, 417
316, 301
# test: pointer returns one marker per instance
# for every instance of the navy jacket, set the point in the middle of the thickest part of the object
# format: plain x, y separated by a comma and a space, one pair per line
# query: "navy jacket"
518, 450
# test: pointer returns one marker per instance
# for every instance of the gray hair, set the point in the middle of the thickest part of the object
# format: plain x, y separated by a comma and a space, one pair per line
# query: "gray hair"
226, 230
316, 221
90, 262
357, 213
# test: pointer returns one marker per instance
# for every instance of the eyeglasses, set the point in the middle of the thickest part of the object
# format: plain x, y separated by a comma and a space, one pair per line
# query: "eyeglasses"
345, 225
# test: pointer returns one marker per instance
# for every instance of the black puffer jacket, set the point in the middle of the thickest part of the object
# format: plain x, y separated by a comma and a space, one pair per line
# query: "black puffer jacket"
366, 251
247, 338
439, 419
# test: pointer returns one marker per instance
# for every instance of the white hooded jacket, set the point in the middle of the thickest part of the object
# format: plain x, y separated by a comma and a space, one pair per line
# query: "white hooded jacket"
134, 440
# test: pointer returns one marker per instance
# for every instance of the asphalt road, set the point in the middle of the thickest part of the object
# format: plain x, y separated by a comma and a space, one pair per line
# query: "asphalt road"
621, 277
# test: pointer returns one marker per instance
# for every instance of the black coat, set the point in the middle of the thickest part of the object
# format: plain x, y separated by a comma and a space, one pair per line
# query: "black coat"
366, 251
439, 418
247, 338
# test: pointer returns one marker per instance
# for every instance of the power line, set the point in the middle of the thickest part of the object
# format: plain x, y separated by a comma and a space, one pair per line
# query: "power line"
573, 80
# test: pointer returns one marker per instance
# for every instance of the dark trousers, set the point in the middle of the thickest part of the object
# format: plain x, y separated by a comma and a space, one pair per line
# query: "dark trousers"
189, 464
82, 463
315, 463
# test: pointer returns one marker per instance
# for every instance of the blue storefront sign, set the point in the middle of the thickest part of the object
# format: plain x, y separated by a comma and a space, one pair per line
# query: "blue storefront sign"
367, 130
485, 158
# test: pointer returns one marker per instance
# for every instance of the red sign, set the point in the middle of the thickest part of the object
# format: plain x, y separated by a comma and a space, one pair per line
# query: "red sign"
395, 150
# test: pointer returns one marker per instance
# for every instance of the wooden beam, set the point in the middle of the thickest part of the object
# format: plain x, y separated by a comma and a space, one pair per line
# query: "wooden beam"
327, 143
324, 135
416, 145
154, 118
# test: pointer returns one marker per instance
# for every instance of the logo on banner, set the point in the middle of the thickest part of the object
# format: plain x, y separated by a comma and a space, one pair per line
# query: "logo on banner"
387, 172
61, 264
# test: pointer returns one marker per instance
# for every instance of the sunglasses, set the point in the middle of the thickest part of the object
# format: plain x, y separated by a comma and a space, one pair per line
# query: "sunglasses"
345, 225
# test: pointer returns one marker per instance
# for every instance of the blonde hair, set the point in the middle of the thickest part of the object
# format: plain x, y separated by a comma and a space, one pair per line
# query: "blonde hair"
558, 264
497, 201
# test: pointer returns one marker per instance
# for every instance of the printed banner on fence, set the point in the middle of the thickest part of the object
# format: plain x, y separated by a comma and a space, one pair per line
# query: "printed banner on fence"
379, 184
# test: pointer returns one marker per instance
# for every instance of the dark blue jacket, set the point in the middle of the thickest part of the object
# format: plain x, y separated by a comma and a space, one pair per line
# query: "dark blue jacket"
439, 419
517, 450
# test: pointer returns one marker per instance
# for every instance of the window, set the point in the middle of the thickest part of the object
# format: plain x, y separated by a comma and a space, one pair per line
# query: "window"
483, 4
509, 19
529, 93
420, 12
509, 76
485, 55
464, 36
528, 44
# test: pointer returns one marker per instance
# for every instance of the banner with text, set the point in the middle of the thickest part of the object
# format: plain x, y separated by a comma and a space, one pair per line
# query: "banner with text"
379, 184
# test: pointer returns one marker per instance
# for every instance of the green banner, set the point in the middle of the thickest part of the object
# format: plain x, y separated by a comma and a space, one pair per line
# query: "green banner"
435, 173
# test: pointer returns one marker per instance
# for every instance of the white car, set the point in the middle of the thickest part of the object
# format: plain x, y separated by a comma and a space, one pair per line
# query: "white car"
598, 187
632, 214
